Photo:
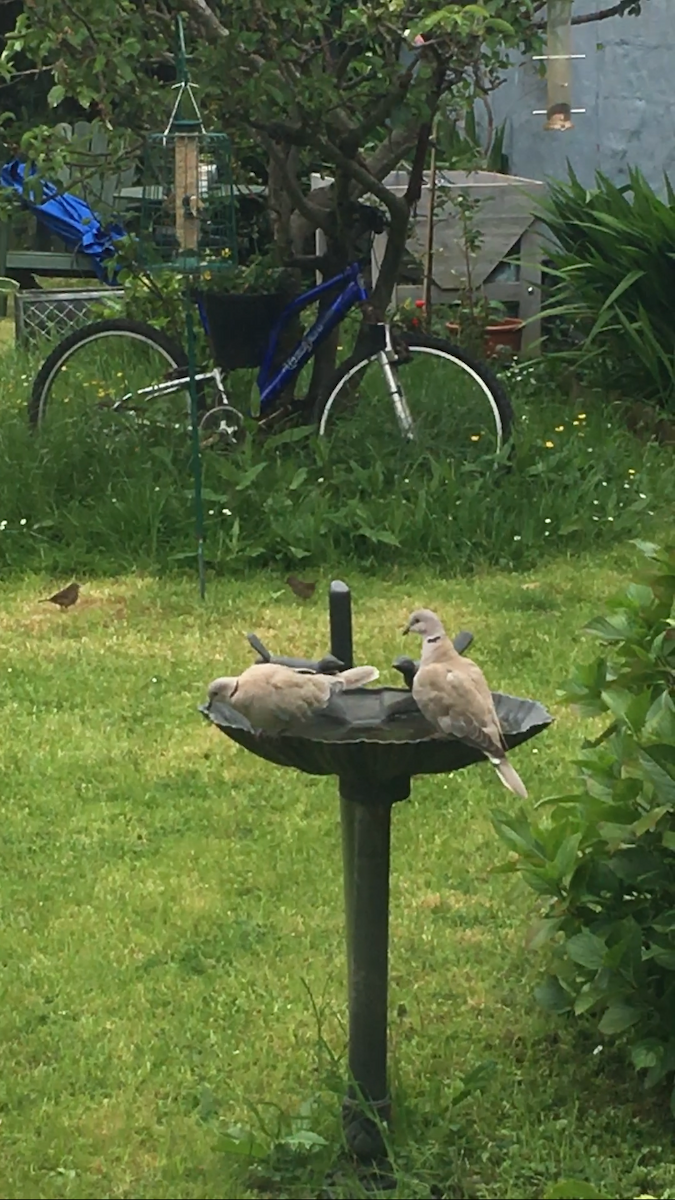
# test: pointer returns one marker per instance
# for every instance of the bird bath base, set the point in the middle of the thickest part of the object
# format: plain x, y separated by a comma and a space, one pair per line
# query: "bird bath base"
375, 740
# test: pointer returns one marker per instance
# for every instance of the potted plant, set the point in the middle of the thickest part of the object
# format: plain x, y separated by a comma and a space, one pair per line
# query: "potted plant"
242, 304
481, 325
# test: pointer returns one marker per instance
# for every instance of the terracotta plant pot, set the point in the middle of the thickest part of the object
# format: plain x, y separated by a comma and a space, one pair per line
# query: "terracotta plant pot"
507, 332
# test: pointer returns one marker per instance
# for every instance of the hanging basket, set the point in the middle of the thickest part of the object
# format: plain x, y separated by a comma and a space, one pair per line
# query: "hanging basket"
239, 326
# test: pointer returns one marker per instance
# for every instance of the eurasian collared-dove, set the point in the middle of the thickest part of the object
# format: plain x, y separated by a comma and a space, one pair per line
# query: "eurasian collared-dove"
453, 694
273, 697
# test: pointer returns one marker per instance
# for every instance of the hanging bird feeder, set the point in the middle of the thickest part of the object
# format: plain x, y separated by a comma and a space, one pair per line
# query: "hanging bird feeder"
558, 59
188, 225
188, 214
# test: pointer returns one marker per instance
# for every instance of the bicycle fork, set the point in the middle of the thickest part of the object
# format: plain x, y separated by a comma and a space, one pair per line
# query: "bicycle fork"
386, 359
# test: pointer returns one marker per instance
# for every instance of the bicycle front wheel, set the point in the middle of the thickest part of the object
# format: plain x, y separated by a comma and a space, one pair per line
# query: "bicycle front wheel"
434, 396
116, 367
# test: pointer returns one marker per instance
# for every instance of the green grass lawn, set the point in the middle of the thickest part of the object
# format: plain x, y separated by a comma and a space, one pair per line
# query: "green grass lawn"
172, 937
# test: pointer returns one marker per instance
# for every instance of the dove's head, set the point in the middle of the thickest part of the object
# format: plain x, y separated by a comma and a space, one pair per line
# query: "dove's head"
425, 622
223, 688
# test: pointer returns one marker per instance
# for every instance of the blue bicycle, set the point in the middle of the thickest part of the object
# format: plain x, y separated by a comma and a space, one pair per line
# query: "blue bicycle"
422, 389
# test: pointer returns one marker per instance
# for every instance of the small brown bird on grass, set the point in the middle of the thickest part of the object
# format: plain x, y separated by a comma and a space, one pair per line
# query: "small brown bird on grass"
302, 590
65, 598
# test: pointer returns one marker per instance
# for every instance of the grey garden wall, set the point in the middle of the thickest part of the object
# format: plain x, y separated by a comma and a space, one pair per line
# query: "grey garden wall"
627, 85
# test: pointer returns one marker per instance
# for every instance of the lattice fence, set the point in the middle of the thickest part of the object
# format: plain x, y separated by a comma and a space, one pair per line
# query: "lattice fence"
43, 314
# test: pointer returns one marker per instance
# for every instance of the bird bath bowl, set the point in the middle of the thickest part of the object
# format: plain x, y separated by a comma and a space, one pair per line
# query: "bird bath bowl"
375, 740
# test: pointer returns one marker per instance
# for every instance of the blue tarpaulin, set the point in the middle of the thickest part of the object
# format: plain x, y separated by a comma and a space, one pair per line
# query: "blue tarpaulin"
67, 216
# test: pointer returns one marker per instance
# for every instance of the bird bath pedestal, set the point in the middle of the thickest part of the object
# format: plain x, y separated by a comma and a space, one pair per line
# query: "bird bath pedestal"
375, 740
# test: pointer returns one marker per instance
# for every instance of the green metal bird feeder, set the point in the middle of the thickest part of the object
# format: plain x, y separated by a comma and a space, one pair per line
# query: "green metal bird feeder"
188, 225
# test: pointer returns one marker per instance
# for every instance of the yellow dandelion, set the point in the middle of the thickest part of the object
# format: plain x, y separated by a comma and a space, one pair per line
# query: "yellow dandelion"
475, 437
559, 428
575, 422
581, 416
549, 445
631, 471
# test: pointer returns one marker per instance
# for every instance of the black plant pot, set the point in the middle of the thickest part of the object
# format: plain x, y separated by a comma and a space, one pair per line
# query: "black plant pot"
239, 326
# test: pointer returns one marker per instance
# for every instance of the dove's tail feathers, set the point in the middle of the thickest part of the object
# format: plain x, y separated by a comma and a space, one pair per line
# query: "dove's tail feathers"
509, 777
358, 676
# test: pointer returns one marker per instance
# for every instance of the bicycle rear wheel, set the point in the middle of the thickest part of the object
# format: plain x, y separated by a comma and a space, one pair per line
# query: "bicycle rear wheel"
435, 397
117, 368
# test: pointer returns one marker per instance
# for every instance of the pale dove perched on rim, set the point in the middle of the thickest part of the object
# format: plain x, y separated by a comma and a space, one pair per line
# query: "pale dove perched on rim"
273, 697
453, 694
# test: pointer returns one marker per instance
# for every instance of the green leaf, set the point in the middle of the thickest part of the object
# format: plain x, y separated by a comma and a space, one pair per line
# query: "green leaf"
298, 479
566, 858
587, 950
649, 548
250, 476
658, 763
618, 1017
542, 932
242, 1142
646, 1054
637, 710
474, 1081
55, 95
614, 629
516, 831
303, 1139
650, 820
552, 996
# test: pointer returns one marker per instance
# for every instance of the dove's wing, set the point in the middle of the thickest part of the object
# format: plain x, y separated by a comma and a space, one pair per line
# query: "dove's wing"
460, 705
272, 696
456, 699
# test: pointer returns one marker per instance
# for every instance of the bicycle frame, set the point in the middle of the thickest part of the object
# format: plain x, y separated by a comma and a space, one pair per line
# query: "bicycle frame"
270, 386
352, 293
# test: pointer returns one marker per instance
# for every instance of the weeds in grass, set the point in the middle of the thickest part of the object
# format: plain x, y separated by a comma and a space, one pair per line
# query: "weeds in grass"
84, 498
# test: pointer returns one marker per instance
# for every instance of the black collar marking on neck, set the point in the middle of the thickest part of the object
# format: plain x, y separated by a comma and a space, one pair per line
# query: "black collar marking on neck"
434, 639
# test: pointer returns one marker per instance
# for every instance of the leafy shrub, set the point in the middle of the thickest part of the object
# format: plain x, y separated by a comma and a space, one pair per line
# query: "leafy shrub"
613, 266
604, 860
157, 298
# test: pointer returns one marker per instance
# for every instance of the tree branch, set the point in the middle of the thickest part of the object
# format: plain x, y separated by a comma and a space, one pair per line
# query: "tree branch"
416, 177
389, 153
311, 213
360, 173
384, 107
207, 18
280, 131
615, 10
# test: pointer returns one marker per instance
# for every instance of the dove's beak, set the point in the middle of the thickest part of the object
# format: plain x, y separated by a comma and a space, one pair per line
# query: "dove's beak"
407, 629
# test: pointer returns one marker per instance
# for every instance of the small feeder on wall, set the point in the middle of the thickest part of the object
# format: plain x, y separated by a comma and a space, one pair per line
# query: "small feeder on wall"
558, 59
